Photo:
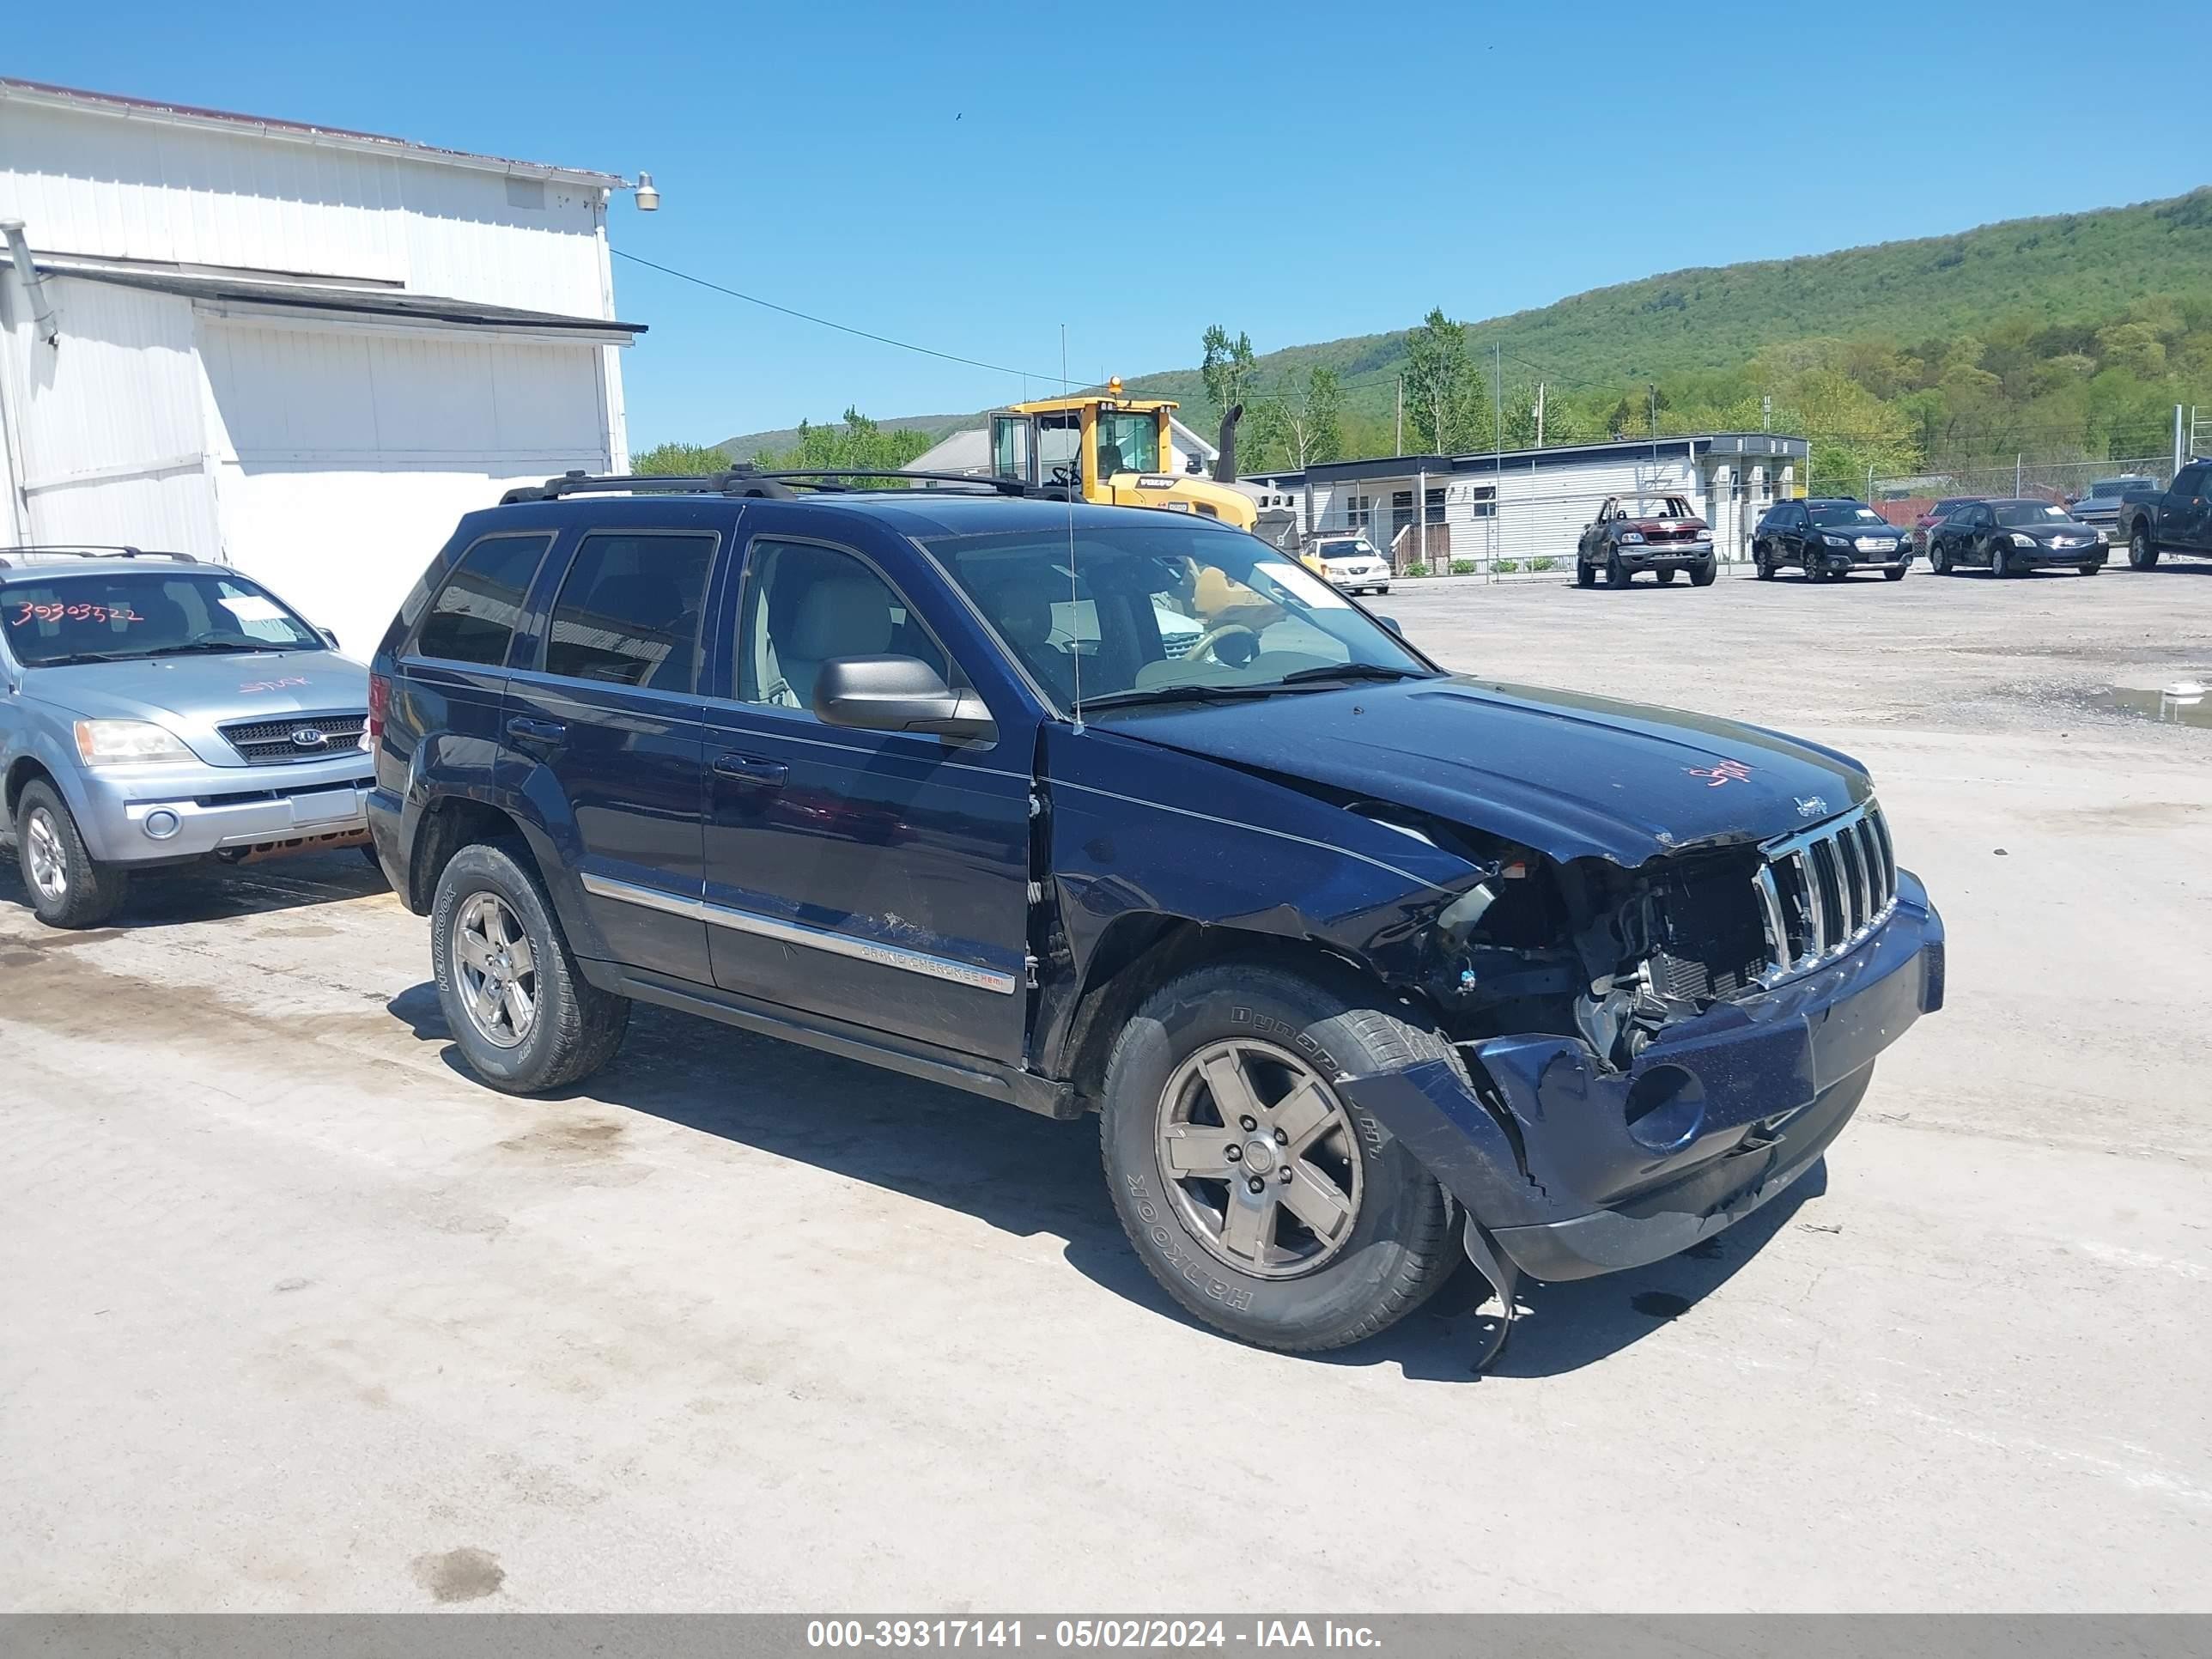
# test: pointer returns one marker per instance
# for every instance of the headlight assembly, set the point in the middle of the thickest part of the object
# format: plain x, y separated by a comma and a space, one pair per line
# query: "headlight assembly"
127, 743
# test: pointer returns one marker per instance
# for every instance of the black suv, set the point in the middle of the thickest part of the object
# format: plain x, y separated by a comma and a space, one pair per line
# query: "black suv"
1083, 808
1828, 539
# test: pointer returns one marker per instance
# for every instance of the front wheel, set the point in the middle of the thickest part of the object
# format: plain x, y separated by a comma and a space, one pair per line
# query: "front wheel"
68, 888
1893, 574
1585, 573
1616, 574
1701, 575
2143, 551
1264, 1201
521, 1015
1939, 560
2090, 569
2001, 564
1762, 563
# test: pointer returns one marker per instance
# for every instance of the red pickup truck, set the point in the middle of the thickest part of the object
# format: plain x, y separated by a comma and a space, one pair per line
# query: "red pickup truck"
1661, 534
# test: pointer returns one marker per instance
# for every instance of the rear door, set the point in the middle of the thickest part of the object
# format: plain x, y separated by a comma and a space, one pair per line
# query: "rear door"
879, 878
610, 712
452, 675
2188, 518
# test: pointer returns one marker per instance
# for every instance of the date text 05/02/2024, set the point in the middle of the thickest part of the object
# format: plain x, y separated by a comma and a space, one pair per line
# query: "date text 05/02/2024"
1066, 1634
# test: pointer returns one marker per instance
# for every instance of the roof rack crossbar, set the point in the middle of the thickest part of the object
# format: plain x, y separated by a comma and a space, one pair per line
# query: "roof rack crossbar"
743, 479
88, 551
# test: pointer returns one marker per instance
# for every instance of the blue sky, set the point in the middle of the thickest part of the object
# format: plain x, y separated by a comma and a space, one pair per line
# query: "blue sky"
973, 176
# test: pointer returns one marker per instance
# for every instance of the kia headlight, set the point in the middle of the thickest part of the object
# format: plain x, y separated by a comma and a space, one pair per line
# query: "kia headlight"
127, 743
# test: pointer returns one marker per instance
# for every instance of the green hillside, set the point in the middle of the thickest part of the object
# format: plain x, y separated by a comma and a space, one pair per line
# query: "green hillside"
2074, 333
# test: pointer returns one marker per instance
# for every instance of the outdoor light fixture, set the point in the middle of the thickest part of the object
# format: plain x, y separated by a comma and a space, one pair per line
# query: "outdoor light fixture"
648, 198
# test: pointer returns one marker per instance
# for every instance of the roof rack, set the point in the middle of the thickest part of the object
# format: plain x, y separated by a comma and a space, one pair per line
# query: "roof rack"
8, 556
743, 479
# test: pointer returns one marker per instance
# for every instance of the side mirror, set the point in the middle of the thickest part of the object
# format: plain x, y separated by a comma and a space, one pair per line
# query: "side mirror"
898, 694
329, 638
1393, 625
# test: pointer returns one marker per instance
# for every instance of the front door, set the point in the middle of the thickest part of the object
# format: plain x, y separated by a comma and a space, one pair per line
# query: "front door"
612, 716
879, 878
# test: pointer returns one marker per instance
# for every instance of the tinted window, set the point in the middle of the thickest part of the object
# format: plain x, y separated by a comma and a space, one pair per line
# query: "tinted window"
473, 617
806, 604
130, 614
629, 610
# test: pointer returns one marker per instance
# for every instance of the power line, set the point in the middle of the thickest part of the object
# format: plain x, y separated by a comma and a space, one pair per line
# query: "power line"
824, 322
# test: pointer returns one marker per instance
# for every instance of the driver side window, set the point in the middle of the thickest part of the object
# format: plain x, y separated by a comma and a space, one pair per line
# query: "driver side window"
804, 605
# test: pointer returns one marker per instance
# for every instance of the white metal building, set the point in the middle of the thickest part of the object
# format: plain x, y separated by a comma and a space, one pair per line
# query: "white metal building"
1534, 503
303, 352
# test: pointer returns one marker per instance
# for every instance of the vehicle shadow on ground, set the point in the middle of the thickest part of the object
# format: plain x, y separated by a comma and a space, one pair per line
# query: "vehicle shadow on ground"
1029, 1176
208, 891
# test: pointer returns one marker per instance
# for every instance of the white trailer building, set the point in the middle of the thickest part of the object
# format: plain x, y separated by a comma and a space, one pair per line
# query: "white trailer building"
1526, 504
303, 352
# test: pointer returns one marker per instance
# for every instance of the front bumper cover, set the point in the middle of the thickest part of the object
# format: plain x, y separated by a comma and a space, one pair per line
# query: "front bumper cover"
220, 808
1571, 1170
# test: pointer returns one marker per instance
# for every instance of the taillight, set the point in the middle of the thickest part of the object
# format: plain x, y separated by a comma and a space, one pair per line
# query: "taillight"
379, 705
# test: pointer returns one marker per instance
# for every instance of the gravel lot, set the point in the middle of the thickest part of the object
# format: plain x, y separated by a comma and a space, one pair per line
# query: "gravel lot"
298, 1317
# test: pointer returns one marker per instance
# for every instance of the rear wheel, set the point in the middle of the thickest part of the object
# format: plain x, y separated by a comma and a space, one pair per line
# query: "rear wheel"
518, 1010
1666, 576
1263, 1200
2143, 551
1895, 573
67, 889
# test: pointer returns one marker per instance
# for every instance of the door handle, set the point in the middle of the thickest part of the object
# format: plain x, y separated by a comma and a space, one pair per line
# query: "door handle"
524, 728
750, 769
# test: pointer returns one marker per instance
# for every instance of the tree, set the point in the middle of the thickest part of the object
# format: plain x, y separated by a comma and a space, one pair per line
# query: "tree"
1446, 396
677, 460
860, 445
1226, 368
1309, 424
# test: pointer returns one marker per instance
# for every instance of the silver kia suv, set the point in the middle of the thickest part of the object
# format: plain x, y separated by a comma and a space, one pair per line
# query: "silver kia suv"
154, 710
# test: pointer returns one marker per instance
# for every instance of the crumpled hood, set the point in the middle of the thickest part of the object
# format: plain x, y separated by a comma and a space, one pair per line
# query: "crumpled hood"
1571, 776
195, 695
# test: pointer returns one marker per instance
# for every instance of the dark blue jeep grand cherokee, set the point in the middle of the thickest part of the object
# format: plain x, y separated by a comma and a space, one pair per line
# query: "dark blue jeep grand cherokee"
1360, 962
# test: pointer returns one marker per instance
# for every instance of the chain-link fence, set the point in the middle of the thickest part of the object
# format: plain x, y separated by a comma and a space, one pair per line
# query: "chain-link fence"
1901, 500
1524, 528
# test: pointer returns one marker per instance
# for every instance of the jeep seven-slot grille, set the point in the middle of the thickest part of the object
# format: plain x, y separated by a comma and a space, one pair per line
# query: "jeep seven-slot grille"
267, 742
1824, 890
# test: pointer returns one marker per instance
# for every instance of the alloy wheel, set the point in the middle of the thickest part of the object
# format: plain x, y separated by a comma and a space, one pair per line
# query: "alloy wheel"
1260, 1157
497, 969
42, 838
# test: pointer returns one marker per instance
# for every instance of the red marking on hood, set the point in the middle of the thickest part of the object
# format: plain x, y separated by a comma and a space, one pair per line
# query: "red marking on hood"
1721, 772
285, 684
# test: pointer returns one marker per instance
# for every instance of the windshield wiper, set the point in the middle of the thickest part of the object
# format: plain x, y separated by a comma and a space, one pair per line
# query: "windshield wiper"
78, 660
1199, 692
227, 646
1354, 670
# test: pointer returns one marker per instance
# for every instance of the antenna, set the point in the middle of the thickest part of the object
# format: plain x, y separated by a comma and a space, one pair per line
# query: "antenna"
1074, 586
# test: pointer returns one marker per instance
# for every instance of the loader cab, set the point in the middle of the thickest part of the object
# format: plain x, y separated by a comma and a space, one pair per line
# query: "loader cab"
1108, 449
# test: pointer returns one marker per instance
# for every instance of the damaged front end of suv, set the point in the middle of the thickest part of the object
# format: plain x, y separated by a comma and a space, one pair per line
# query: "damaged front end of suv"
1665, 950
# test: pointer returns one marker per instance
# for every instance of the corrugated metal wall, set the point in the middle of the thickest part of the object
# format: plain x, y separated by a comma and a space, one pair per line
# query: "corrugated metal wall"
94, 184
345, 456
110, 427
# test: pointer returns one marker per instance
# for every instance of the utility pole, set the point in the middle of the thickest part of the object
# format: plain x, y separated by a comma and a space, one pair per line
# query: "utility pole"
1498, 445
2177, 438
1539, 413
1399, 448
1655, 408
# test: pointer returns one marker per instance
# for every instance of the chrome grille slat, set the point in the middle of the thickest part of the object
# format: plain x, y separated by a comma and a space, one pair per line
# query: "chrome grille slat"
1822, 891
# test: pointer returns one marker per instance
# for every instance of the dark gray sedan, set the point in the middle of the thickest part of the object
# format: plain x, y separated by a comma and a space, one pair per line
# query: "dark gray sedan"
2011, 537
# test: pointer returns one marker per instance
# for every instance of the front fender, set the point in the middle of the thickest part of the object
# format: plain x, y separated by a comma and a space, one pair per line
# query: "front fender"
1133, 829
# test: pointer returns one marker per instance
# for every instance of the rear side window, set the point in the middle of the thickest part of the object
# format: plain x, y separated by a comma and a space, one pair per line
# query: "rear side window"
473, 617
629, 610
2189, 481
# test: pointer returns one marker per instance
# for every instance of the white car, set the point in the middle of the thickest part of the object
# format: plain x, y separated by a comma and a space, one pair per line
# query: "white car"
1350, 562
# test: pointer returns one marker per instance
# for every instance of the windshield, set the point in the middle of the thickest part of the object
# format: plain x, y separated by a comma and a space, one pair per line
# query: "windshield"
1347, 550
1835, 512
2027, 512
2118, 486
113, 616
1128, 443
1156, 613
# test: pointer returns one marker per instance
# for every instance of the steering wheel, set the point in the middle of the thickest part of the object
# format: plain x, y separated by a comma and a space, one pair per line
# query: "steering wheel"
1063, 474
1208, 644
